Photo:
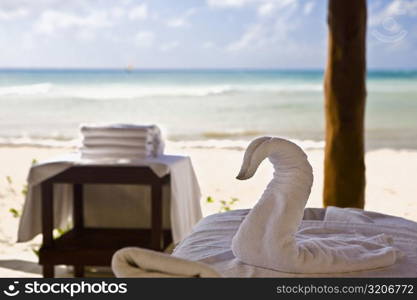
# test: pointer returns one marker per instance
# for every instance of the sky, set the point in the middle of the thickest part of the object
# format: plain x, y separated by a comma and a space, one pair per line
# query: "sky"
278, 34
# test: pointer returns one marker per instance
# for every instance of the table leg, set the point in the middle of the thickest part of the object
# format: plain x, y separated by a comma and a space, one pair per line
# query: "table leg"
48, 271
78, 271
47, 224
156, 230
78, 209
47, 214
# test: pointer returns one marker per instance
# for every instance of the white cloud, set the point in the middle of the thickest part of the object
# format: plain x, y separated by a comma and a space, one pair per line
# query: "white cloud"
86, 35
169, 46
13, 14
282, 4
266, 9
177, 22
208, 45
51, 20
385, 22
269, 31
269, 7
139, 12
403, 7
182, 20
251, 36
144, 39
393, 9
227, 3
308, 7
117, 12
264, 6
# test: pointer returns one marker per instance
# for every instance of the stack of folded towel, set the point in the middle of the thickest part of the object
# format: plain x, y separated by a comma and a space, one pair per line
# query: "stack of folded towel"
120, 141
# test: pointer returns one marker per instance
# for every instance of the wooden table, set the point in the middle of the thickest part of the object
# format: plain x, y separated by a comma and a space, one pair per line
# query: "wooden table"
83, 246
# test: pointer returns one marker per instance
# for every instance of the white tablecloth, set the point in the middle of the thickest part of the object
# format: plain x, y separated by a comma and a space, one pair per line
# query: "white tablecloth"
116, 205
210, 242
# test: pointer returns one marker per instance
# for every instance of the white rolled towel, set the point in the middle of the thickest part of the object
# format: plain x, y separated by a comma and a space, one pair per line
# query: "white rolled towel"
138, 262
113, 151
113, 156
119, 130
103, 150
116, 141
102, 140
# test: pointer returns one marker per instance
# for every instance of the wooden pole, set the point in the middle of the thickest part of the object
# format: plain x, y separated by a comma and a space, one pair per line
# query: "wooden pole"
345, 96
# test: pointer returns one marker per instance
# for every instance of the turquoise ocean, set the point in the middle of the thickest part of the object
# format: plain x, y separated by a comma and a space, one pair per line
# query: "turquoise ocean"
198, 108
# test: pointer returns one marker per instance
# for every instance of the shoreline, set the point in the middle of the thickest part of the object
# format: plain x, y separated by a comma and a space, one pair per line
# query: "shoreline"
238, 144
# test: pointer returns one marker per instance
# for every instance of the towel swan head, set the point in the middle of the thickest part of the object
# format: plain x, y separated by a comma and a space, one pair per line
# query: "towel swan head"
282, 154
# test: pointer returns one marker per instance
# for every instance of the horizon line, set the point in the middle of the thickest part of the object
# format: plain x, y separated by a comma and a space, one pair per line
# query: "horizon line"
184, 69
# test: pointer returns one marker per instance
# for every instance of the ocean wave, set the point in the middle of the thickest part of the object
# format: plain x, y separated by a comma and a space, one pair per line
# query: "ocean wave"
218, 143
24, 90
239, 145
132, 92
43, 142
138, 91
135, 91
231, 134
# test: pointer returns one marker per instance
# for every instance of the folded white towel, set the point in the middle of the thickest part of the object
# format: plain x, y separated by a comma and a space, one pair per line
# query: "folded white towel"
114, 156
137, 262
116, 141
147, 150
268, 237
119, 130
120, 141
346, 215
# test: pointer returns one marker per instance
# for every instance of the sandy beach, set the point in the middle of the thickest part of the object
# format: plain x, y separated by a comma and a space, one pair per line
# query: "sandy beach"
391, 189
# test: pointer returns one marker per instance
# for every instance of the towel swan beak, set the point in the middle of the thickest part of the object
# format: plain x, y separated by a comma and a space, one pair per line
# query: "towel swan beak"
254, 155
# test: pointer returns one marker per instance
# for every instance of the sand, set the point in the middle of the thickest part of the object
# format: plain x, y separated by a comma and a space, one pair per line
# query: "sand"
391, 189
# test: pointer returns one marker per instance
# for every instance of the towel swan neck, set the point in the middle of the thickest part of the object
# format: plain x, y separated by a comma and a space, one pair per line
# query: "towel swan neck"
283, 154
268, 236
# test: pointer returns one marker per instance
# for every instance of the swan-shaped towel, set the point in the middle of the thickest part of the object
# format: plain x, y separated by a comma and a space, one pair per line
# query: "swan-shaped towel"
268, 237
